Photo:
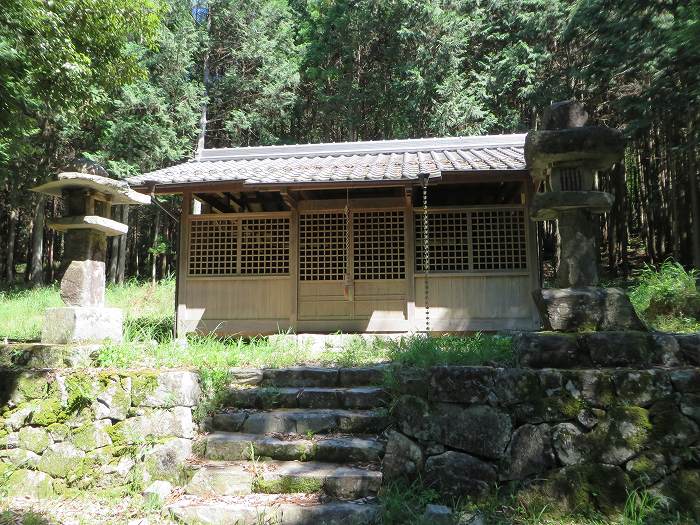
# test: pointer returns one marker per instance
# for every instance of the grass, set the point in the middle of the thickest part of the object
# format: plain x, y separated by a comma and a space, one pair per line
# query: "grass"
147, 308
404, 503
478, 349
22, 311
148, 339
668, 298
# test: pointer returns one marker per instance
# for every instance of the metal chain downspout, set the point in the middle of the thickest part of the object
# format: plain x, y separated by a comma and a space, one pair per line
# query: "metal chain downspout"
348, 281
426, 251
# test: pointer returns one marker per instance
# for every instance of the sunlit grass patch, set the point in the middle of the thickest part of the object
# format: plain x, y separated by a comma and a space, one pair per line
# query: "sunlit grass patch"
478, 349
22, 311
148, 309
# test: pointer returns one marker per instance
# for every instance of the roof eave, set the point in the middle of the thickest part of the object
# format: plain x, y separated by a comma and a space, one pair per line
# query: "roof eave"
238, 185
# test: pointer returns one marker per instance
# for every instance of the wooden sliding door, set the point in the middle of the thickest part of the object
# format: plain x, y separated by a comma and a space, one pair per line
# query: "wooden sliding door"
352, 270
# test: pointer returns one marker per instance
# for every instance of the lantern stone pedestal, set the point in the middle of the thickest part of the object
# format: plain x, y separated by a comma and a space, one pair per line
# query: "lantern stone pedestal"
89, 198
566, 154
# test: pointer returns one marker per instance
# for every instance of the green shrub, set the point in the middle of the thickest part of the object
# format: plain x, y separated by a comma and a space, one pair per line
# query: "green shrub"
668, 298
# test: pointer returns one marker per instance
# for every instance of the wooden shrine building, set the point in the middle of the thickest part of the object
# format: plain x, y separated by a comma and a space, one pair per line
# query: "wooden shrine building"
329, 237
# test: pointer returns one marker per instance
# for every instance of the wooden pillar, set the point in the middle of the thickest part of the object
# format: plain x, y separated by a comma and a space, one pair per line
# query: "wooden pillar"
294, 267
181, 274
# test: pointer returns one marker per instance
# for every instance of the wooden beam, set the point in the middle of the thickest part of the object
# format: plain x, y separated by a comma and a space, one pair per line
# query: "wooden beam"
288, 199
408, 196
339, 204
215, 202
238, 201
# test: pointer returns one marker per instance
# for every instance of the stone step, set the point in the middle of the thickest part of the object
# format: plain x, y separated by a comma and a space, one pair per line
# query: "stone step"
221, 479
361, 397
304, 376
283, 477
229, 446
243, 513
302, 421
338, 481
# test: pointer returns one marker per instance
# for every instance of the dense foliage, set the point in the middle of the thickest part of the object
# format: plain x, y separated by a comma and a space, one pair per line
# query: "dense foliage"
126, 81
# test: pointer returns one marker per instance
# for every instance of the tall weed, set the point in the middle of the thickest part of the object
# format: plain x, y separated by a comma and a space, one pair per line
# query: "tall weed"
668, 298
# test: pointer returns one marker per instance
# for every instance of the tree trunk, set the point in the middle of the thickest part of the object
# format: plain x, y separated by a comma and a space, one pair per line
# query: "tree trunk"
51, 245
113, 250
36, 271
154, 256
11, 237
121, 265
621, 202
694, 198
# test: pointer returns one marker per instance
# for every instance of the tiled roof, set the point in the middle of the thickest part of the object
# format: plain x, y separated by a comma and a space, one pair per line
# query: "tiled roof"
384, 160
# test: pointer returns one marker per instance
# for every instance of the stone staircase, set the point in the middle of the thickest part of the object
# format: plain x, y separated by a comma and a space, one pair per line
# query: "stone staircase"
293, 446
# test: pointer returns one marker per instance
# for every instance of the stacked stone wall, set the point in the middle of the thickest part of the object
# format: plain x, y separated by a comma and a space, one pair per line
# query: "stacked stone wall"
582, 438
94, 428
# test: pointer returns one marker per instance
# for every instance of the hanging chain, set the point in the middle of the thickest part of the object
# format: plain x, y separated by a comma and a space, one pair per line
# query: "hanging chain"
426, 253
347, 282
348, 226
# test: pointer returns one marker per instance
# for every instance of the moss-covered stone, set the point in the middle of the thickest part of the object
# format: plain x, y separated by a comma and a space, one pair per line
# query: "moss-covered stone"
648, 468
142, 385
47, 412
21, 458
91, 436
35, 439
9, 440
517, 385
62, 460
31, 385
288, 485
642, 387
58, 431
669, 427
112, 401
101, 456
29, 483
166, 461
81, 389
127, 432
681, 492
413, 417
17, 418
80, 418
620, 348
619, 436
579, 490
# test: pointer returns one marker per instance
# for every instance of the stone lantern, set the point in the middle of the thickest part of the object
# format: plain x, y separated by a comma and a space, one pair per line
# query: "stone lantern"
566, 155
89, 196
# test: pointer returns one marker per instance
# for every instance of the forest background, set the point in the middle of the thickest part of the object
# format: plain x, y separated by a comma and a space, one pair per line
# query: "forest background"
124, 83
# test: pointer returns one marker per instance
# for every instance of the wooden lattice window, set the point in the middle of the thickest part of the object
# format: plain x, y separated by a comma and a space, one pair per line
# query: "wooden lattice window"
265, 246
239, 245
379, 245
473, 240
499, 240
449, 241
322, 246
213, 247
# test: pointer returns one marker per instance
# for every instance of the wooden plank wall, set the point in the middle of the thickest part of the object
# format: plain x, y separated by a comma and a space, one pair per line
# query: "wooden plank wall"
266, 304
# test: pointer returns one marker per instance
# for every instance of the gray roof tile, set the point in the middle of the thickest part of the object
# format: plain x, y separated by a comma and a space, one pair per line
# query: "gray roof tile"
384, 160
